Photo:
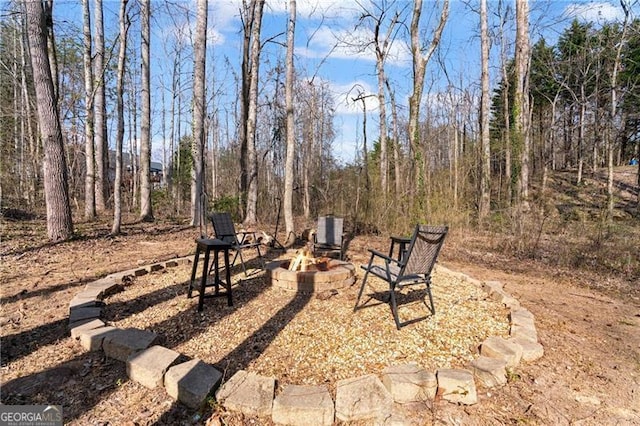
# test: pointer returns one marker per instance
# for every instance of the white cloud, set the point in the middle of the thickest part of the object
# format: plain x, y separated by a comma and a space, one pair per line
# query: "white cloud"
595, 12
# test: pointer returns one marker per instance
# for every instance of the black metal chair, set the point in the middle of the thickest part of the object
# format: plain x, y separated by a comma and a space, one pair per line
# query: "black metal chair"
413, 268
329, 236
224, 230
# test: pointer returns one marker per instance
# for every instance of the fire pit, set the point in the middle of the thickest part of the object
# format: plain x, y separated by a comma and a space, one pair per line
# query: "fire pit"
307, 274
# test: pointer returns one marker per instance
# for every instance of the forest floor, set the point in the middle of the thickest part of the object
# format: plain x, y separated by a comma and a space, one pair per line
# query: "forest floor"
579, 278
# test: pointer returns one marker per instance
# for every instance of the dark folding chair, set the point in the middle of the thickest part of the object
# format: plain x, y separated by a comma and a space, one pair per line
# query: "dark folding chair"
413, 268
225, 230
329, 236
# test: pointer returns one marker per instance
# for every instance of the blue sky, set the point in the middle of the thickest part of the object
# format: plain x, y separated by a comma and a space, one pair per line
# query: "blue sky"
321, 24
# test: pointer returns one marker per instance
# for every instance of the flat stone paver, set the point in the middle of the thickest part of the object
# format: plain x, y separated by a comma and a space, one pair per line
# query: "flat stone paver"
91, 292
93, 340
457, 386
490, 372
81, 326
531, 350
191, 382
140, 272
303, 405
148, 367
84, 302
248, 393
362, 398
79, 314
121, 344
409, 383
498, 347
524, 332
521, 316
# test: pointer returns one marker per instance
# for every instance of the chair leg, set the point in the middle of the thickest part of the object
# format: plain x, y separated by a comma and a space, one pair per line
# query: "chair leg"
364, 282
394, 305
239, 253
432, 307
260, 257
235, 257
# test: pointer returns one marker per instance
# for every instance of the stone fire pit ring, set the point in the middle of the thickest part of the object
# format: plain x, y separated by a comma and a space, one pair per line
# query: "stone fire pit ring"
331, 274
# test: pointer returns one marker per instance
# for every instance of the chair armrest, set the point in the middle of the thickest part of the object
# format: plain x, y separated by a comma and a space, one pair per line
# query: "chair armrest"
243, 237
386, 258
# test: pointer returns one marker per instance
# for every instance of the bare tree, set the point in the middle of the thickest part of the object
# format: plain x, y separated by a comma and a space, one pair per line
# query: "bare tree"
59, 221
146, 211
396, 140
89, 189
421, 55
199, 97
506, 134
614, 106
251, 165
521, 110
101, 146
122, 55
485, 155
382, 42
291, 140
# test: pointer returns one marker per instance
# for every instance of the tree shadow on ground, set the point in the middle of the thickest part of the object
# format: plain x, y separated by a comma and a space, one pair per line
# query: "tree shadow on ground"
249, 350
16, 346
404, 297
86, 379
26, 294
45, 386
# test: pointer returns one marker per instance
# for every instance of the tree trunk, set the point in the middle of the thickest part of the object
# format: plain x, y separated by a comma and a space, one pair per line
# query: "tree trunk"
248, 16
59, 221
34, 145
51, 50
199, 98
614, 105
420, 59
580, 155
173, 141
291, 141
506, 136
122, 55
252, 115
396, 141
485, 170
101, 146
521, 107
89, 187
382, 44
146, 211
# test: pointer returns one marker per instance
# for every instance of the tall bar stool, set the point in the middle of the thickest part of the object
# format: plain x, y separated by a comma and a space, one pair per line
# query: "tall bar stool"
207, 245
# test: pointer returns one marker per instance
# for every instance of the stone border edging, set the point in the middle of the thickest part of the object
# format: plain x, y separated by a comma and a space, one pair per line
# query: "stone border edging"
360, 398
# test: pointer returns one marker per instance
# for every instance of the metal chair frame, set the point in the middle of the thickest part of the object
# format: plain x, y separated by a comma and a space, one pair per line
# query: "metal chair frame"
414, 267
224, 230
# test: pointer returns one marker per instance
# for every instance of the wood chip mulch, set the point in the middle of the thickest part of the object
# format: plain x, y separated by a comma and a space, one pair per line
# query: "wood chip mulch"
311, 338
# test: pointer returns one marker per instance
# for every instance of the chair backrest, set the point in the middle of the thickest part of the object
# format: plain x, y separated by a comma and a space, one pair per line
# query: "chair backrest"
424, 249
330, 230
223, 227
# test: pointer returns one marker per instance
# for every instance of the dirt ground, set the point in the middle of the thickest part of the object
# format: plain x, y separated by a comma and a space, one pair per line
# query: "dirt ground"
590, 373
588, 323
